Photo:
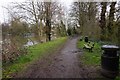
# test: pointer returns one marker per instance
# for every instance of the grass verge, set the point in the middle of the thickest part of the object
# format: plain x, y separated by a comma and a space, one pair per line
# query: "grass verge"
90, 58
34, 53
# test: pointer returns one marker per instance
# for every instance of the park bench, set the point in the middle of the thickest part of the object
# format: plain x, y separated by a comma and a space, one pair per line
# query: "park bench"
89, 46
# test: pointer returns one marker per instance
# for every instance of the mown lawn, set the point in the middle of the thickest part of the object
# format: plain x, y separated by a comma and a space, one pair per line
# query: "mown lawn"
34, 53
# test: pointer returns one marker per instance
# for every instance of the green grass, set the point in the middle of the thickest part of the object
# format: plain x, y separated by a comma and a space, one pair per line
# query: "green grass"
90, 58
117, 78
35, 52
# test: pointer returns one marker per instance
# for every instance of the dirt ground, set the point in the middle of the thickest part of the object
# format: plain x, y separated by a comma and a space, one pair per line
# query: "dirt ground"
63, 64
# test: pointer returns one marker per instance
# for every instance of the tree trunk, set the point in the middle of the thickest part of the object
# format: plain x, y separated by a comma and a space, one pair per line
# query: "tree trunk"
119, 33
111, 18
36, 20
103, 20
48, 21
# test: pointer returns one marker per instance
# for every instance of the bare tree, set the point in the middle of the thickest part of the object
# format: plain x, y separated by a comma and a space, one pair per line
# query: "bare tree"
30, 11
103, 20
53, 15
41, 14
84, 15
111, 17
48, 20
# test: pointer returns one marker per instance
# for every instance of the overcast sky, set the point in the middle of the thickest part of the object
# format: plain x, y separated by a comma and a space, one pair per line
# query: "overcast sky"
3, 11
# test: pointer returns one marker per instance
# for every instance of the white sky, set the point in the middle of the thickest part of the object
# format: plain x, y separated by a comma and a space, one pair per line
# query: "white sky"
3, 11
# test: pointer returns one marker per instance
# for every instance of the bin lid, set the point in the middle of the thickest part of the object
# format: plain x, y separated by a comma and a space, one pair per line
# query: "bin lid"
110, 47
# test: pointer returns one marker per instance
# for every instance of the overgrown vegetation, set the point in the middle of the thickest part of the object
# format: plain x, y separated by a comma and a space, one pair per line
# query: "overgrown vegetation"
34, 52
13, 39
103, 26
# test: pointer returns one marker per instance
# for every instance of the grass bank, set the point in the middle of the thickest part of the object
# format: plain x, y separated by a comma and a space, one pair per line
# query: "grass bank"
34, 53
92, 58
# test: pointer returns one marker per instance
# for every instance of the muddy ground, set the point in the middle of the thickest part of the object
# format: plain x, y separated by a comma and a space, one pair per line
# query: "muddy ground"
65, 63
